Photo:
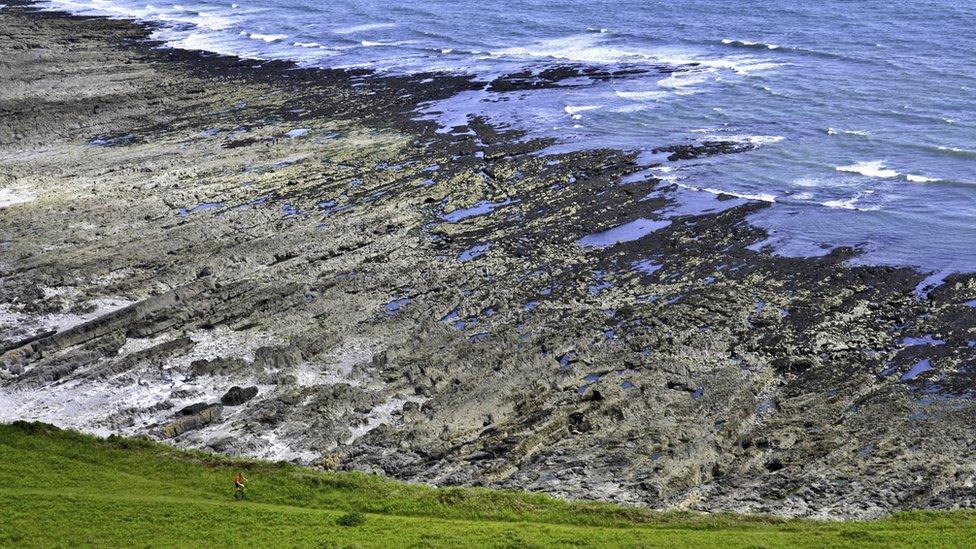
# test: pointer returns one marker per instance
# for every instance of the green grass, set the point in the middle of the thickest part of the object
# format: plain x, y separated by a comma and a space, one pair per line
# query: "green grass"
60, 488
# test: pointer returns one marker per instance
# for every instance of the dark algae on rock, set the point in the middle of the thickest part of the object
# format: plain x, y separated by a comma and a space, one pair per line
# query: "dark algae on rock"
455, 307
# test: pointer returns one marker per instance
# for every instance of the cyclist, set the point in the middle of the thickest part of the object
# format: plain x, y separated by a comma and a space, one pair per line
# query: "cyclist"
239, 481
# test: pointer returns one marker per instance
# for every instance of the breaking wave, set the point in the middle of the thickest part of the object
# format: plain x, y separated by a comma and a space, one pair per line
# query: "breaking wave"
873, 168
751, 45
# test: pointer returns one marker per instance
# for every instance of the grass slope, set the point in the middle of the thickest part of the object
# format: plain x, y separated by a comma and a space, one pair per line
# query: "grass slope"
62, 488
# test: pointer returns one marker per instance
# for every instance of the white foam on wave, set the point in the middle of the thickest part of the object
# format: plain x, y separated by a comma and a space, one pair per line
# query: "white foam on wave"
632, 108
589, 47
873, 168
849, 204
666, 173
106, 9
575, 109
764, 139
210, 20
373, 44
585, 49
594, 48
269, 38
957, 151
921, 178
859, 133
754, 140
840, 204
738, 64
363, 28
202, 19
749, 68
208, 42
748, 44
876, 168
761, 197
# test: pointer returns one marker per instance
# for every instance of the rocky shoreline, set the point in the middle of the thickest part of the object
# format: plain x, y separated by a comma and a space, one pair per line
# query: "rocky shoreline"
455, 307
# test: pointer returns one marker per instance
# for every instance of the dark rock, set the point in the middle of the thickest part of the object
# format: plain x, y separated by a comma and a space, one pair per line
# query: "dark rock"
194, 408
578, 423
277, 358
200, 418
216, 366
706, 148
237, 396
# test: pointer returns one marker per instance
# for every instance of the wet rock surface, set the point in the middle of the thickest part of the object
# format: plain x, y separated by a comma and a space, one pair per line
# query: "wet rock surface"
426, 304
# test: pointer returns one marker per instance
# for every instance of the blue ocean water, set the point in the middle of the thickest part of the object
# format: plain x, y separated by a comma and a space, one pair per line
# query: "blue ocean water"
863, 113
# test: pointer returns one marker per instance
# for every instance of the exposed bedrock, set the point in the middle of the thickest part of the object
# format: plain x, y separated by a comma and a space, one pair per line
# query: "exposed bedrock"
251, 258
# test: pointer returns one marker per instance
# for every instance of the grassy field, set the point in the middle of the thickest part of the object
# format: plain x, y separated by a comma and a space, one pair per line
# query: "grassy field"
63, 488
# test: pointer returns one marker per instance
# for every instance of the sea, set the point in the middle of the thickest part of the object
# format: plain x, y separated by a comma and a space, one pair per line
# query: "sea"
860, 116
